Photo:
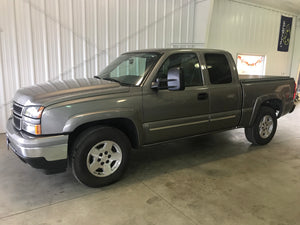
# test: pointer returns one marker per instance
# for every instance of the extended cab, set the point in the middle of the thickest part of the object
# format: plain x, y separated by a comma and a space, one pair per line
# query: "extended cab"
142, 98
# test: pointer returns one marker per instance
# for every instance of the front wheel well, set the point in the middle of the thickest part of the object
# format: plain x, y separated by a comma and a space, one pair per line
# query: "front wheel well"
123, 124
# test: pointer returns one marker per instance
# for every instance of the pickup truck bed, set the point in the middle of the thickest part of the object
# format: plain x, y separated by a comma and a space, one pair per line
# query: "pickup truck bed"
257, 78
269, 89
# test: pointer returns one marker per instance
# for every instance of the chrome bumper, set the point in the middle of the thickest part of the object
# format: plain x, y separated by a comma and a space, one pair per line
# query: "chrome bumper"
51, 148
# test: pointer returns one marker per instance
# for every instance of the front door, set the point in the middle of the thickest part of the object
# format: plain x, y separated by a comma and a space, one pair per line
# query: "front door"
176, 114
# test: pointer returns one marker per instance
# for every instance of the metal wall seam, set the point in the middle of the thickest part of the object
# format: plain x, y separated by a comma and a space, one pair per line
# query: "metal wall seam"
96, 37
58, 36
32, 66
147, 23
188, 22
72, 44
16, 53
127, 26
155, 24
84, 39
164, 24
192, 21
45, 44
137, 23
172, 25
180, 21
118, 28
106, 32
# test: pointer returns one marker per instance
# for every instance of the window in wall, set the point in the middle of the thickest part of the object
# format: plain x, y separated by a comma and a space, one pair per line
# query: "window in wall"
189, 64
251, 64
218, 69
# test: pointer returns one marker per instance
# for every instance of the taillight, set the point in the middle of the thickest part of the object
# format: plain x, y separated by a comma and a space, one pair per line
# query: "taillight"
295, 91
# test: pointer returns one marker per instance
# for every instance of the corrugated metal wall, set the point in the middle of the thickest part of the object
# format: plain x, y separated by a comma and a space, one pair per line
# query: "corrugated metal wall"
43, 40
296, 56
243, 28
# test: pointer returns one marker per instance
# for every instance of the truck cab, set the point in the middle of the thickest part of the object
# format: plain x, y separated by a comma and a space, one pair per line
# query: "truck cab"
210, 100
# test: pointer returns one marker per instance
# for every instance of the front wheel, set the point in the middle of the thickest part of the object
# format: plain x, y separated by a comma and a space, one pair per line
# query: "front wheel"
100, 156
264, 127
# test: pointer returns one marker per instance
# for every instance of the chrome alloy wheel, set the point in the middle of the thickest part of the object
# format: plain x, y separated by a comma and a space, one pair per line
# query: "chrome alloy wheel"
104, 158
266, 126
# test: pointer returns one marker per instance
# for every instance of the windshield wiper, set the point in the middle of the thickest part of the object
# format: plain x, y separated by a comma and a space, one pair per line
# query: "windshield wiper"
111, 79
107, 78
115, 80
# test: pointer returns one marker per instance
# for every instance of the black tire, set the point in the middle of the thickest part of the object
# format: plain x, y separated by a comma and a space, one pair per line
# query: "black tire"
261, 133
92, 165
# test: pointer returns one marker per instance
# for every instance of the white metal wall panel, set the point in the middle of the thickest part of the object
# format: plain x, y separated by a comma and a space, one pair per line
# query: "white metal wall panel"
296, 56
243, 28
200, 30
3, 115
43, 40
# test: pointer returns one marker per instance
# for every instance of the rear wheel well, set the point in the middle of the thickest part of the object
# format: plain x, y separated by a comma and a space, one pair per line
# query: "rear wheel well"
123, 124
275, 104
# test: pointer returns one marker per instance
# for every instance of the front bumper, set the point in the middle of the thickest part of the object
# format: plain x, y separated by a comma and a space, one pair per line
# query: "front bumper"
49, 152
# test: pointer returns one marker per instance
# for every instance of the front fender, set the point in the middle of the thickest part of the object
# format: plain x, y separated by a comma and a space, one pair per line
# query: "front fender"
81, 119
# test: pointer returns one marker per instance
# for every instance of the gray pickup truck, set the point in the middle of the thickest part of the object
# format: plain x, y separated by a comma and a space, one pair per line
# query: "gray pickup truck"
142, 98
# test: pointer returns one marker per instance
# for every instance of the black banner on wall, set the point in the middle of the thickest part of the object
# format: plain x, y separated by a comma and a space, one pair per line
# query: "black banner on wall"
285, 33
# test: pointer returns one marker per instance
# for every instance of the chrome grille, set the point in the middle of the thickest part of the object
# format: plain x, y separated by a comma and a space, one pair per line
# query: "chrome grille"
17, 122
17, 115
17, 109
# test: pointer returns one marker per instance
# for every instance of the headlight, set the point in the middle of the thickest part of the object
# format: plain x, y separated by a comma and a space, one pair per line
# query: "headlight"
32, 119
33, 111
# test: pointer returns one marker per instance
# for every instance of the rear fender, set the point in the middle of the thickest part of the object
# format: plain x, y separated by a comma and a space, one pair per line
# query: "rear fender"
260, 101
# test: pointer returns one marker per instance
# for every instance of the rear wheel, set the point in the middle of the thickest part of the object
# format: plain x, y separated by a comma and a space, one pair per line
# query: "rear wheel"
264, 127
100, 156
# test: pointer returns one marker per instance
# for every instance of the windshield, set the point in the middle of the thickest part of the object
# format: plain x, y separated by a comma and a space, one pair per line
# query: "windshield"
129, 69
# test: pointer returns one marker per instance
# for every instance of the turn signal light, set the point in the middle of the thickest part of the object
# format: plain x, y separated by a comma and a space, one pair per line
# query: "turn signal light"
37, 129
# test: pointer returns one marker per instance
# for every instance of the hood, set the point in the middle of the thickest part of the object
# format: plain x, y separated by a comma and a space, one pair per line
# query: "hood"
59, 91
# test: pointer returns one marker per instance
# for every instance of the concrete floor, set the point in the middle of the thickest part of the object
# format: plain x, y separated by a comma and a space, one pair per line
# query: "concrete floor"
214, 179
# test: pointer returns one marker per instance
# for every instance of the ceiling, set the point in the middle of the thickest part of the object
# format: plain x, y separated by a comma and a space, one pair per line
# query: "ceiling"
292, 6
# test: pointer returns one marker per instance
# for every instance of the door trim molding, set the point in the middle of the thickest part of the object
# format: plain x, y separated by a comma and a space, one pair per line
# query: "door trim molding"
178, 125
223, 118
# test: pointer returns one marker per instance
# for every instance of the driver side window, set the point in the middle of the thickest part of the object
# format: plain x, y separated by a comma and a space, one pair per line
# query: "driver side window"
189, 64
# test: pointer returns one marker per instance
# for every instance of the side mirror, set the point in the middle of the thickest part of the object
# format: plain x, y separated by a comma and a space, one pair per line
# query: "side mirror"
175, 79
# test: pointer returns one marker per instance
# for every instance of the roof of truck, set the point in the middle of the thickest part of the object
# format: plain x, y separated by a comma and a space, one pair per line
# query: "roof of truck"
174, 50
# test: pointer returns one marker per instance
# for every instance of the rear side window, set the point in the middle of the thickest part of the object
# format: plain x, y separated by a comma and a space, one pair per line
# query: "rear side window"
218, 69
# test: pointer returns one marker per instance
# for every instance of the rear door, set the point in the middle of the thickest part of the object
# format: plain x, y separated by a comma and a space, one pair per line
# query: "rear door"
224, 92
176, 114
